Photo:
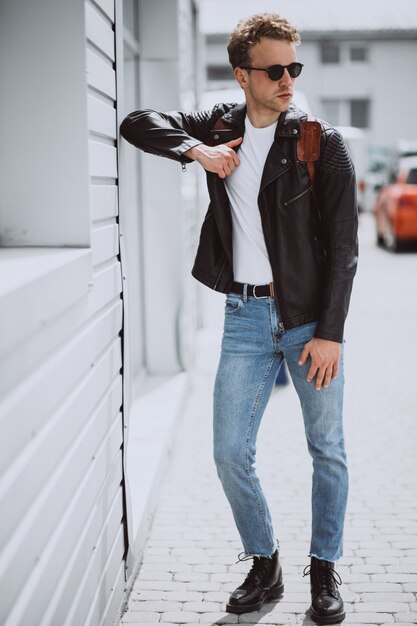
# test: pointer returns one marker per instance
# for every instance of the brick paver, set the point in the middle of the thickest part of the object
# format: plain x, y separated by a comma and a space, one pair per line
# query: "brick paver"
189, 565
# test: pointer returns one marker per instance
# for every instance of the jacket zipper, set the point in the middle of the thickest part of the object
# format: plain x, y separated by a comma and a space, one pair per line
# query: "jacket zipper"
271, 180
300, 195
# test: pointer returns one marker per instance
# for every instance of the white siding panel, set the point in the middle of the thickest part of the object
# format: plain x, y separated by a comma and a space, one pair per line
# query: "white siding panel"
98, 31
101, 575
33, 533
44, 284
101, 75
103, 159
114, 606
101, 117
107, 6
110, 591
34, 593
105, 243
66, 369
103, 202
107, 285
87, 582
69, 581
62, 496
25, 478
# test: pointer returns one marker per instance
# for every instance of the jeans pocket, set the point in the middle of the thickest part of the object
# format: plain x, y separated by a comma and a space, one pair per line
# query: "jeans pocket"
233, 304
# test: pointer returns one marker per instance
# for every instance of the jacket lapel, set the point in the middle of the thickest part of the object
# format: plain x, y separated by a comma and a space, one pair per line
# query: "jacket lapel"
278, 161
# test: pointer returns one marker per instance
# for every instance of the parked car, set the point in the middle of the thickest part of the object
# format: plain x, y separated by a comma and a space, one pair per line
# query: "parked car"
396, 208
376, 175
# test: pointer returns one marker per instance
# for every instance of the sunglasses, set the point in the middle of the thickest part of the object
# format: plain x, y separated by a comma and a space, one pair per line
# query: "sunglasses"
275, 72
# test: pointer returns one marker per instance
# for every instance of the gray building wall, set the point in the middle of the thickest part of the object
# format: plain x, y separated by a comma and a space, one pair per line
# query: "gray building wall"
383, 79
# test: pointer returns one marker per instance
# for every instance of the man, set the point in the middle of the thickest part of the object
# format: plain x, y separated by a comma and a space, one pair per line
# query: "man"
285, 253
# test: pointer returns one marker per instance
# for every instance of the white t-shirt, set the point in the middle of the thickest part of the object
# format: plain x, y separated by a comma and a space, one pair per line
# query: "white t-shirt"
250, 258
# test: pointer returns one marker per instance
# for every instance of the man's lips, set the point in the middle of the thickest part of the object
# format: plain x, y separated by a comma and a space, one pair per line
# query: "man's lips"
286, 95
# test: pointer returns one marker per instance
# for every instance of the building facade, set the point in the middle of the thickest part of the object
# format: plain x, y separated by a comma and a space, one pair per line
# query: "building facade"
358, 59
98, 310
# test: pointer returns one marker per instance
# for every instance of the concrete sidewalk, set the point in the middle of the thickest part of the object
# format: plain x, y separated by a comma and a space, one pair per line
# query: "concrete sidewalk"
189, 566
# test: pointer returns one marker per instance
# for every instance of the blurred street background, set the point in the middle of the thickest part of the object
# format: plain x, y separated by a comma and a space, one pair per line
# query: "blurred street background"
110, 510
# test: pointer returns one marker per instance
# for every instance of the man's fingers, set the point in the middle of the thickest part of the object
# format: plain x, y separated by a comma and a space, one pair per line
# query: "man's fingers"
303, 356
231, 157
328, 377
312, 372
221, 160
228, 165
234, 142
320, 377
227, 169
324, 361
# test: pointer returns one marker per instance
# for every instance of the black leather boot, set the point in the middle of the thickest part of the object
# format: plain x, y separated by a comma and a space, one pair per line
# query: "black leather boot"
326, 602
262, 584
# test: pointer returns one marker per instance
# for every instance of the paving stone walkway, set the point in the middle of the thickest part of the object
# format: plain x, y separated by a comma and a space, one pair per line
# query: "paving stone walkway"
189, 566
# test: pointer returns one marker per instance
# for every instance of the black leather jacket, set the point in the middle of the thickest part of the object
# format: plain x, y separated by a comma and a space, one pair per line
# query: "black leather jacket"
311, 241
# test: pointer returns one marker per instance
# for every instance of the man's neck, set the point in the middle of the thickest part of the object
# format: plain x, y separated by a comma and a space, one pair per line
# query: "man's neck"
261, 118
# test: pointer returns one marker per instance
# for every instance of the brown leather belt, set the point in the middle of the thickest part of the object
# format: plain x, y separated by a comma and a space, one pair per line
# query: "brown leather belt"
257, 291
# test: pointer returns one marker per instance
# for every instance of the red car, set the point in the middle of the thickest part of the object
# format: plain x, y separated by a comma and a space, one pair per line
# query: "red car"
396, 208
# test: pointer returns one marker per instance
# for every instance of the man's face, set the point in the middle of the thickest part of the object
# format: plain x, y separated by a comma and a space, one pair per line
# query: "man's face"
261, 93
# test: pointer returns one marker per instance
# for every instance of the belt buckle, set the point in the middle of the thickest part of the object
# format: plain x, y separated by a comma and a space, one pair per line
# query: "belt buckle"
254, 293
271, 291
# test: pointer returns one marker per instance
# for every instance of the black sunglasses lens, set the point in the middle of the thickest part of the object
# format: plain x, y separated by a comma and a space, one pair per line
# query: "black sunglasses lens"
275, 72
294, 69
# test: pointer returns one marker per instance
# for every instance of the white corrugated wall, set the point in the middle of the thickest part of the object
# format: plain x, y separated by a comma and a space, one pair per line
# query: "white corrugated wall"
68, 546
62, 531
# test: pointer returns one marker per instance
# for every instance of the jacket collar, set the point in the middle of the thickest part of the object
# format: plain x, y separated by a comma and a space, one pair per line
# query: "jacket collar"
236, 115
288, 122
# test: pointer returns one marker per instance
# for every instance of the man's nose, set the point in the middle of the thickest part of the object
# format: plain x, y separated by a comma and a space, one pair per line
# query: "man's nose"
286, 76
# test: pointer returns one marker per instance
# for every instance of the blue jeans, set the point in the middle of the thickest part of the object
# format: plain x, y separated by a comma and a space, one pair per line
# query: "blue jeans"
254, 346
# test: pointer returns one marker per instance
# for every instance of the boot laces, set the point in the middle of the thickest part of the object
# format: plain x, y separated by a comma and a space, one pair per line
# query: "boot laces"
257, 572
328, 580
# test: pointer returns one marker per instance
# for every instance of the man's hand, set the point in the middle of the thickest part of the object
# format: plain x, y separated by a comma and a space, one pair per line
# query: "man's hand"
221, 160
325, 357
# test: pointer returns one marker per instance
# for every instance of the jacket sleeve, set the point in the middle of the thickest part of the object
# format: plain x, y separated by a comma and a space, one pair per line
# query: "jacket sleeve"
166, 134
336, 193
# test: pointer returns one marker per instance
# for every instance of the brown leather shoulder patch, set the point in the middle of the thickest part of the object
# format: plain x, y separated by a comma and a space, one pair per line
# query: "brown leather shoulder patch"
308, 144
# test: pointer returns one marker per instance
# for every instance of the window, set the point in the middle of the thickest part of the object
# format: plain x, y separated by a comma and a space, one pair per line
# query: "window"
330, 52
44, 174
412, 177
219, 72
353, 112
331, 111
359, 113
359, 54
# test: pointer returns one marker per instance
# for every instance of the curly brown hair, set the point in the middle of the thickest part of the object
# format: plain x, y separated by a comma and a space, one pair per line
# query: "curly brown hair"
249, 32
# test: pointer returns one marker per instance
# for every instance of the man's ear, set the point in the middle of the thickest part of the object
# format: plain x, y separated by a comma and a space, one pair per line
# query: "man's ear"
241, 77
